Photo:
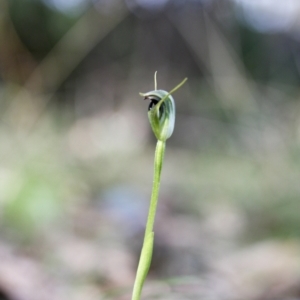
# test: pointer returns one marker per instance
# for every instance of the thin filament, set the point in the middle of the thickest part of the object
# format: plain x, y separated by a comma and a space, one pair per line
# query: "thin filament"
171, 92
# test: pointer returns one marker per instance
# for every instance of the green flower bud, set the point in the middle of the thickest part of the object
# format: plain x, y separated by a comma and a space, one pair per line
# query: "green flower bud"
161, 111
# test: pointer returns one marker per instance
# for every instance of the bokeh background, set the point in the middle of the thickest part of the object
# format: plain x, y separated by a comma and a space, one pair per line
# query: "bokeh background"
77, 150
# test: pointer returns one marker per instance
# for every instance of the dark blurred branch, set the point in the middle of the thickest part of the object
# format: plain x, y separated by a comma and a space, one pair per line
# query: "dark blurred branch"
214, 54
16, 62
91, 28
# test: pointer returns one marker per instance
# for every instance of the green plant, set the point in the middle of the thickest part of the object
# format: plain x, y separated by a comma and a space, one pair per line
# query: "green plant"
161, 114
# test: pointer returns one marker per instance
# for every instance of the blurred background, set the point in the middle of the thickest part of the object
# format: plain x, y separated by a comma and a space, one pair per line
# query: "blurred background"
77, 150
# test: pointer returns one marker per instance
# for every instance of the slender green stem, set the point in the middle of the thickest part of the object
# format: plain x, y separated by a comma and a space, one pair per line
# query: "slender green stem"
158, 161
146, 253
